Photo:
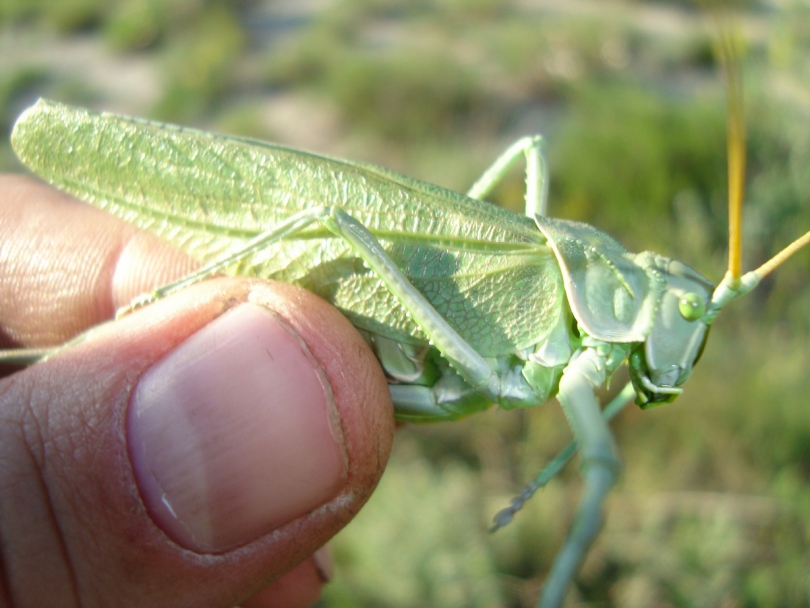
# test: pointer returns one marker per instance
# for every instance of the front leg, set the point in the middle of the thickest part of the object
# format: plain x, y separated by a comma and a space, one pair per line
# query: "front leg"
505, 516
599, 468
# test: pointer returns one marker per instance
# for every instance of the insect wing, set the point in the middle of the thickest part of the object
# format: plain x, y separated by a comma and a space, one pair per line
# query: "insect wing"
486, 269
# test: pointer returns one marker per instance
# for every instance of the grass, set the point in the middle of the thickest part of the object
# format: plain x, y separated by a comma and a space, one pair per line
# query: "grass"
713, 506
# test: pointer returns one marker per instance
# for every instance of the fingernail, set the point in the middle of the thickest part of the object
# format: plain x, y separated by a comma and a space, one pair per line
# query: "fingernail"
234, 433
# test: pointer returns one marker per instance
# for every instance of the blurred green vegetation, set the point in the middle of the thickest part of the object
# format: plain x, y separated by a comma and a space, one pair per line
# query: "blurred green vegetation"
714, 506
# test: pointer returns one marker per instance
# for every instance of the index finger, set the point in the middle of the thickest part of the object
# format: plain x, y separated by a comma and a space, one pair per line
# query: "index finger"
66, 266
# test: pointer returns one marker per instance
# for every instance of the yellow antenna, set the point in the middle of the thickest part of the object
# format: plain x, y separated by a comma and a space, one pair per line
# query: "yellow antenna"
729, 47
729, 51
783, 255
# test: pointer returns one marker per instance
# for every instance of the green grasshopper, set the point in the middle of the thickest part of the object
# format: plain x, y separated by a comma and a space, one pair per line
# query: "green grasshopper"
465, 304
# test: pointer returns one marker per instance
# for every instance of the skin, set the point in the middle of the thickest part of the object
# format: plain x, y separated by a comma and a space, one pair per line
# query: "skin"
78, 526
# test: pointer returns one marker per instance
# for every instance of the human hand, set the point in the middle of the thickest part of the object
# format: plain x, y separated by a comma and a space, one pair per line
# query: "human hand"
197, 452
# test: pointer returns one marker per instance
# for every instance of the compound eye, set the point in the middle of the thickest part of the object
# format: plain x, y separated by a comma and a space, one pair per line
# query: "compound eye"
692, 306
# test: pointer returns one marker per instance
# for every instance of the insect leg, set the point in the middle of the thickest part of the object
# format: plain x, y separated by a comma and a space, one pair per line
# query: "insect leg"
293, 224
472, 366
532, 148
599, 467
463, 357
505, 516
22, 357
284, 229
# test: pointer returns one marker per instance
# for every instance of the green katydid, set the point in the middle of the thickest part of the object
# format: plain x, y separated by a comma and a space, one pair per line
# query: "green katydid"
465, 304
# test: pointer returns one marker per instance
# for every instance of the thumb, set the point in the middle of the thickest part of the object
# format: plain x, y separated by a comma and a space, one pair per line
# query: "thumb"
190, 453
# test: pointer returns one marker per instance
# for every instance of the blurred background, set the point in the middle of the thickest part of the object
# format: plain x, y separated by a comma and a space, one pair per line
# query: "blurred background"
713, 506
